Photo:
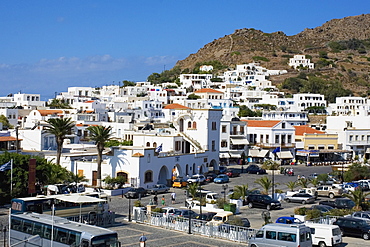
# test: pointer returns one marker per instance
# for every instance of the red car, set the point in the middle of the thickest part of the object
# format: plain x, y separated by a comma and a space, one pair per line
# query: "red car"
232, 173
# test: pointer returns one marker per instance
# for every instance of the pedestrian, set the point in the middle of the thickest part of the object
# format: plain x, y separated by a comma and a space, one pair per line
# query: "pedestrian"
163, 201
155, 199
298, 177
173, 197
142, 240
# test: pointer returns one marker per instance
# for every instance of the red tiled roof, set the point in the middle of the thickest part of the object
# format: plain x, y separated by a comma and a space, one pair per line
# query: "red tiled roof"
207, 90
176, 106
50, 112
261, 123
302, 129
89, 101
8, 138
138, 155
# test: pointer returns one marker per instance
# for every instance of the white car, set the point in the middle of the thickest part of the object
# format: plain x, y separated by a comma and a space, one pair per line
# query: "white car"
197, 178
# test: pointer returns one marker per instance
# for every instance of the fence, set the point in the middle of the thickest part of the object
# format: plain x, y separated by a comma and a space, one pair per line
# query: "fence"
200, 227
327, 220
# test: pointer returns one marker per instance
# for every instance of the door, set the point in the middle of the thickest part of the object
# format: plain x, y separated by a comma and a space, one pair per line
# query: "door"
94, 178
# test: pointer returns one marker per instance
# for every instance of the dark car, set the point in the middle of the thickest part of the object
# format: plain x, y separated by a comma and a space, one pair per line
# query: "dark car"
353, 227
232, 173
222, 169
185, 213
288, 220
322, 208
136, 192
205, 216
262, 201
255, 169
210, 177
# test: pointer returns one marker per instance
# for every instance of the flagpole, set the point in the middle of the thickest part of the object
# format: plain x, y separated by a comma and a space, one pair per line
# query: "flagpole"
11, 177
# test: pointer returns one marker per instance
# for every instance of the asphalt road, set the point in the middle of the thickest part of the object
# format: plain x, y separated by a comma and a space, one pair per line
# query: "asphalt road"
130, 232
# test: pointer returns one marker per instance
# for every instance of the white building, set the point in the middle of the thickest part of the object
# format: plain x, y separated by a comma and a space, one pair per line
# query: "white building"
350, 106
304, 100
300, 61
196, 81
28, 101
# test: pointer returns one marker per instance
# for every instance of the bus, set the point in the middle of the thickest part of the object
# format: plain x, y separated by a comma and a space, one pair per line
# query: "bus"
58, 232
43, 205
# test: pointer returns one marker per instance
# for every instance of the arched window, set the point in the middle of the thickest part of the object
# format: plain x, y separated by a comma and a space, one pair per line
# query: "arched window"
194, 125
154, 144
124, 175
148, 144
189, 125
148, 177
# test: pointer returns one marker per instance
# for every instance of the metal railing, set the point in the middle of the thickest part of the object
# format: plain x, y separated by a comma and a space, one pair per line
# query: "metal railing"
103, 219
200, 227
326, 220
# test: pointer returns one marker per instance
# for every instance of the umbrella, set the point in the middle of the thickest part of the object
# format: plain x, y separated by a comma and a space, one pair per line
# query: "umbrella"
80, 199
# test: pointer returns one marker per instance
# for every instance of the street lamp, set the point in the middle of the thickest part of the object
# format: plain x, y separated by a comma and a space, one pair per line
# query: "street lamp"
129, 209
190, 205
224, 187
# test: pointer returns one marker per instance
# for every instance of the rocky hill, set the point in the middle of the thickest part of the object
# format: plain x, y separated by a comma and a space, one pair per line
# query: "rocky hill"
340, 48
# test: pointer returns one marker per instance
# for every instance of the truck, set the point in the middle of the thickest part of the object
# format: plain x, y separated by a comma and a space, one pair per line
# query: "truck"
311, 191
340, 203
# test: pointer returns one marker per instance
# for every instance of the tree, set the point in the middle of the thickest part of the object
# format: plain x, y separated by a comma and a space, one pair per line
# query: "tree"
59, 104
265, 183
356, 172
291, 185
240, 191
59, 127
358, 197
100, 135
304, 182
270, 165
193, 96
4, 120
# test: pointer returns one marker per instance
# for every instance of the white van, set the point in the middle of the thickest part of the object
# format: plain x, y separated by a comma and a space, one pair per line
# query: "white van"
325, 235
289, 235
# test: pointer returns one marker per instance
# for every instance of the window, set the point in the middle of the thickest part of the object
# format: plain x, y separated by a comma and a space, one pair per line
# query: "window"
283, 125
284, 236
267, 138
189, 125
213, 146
270, 235
350, 138
223, 143
177, 145
214, 127
223, 128
194, 125
259, 234
148, 144
148, 177
277, 139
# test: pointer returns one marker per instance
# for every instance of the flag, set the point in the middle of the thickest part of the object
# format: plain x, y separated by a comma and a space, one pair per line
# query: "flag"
159, 148
276, 150
5, 167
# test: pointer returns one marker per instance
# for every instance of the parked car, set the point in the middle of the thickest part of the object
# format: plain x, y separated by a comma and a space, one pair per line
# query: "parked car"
329, 190
313, 176
136, 192
288, 220
158, 188
325, 235
205, 216
255, 169
262, 201
232, 173
168, 211
364, 215
210, 177
340, 203
364, 184
222, 169
197, 178
179, 182
185, 213
322, 208
301, 198
222, 178
353, 227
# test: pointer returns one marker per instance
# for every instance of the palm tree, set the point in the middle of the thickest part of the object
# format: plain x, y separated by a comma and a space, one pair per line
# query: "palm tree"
291, 185
59, 127
358, 197
265, 183
314, 182
304, 182
241, 191
100, 135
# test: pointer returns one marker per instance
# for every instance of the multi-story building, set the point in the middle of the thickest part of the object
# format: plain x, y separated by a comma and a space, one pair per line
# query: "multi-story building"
300, 61
349, 106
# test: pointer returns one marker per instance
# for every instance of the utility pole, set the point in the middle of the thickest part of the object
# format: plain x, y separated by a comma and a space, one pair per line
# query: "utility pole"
16, 141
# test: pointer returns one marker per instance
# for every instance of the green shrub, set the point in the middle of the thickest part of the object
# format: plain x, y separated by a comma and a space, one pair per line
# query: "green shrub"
157, 210
138, 203
259, 58
313, 214
300, 211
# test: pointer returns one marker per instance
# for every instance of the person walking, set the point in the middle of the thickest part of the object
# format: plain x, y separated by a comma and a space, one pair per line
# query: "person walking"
142, 240
155, 199
163, 201
173, 197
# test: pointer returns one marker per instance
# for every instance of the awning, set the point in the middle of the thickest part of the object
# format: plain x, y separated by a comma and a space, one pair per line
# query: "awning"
224, 155
235, 155
239, 141
263, 153
367, 151
285, 155
253, 152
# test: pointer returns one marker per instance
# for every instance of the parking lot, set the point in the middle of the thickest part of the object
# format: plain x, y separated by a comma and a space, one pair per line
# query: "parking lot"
129, 232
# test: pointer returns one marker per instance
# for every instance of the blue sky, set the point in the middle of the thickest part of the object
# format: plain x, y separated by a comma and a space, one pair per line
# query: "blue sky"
48, 46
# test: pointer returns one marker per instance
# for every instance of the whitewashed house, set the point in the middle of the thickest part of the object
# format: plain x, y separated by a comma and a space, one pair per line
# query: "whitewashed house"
300, 61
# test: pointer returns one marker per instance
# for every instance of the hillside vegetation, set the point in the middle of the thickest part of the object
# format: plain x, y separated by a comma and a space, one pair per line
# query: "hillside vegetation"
340, 49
